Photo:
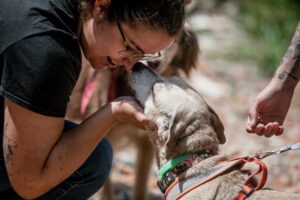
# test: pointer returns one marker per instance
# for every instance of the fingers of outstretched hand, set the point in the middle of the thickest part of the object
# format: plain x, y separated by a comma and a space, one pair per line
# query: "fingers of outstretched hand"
279, 131
268, 130
259, 129
273, 129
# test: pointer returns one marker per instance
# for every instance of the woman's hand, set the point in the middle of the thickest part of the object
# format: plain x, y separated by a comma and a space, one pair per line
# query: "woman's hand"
269, 110
127, 109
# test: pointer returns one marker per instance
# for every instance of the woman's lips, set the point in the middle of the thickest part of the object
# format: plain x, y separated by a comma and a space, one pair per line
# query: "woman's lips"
111, 63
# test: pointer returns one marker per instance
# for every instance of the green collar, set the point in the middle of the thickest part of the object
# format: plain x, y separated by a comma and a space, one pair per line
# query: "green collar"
171, 164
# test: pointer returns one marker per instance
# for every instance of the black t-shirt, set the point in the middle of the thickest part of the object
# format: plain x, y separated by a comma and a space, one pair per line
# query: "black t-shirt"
40, 55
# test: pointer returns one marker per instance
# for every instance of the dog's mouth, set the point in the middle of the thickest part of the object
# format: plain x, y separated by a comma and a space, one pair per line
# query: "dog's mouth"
135, 95
138, 101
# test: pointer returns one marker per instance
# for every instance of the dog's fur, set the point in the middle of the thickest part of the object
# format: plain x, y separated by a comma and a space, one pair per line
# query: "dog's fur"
179, 58
187, 124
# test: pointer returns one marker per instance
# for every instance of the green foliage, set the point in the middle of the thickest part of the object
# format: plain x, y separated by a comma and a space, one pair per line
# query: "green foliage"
271, 23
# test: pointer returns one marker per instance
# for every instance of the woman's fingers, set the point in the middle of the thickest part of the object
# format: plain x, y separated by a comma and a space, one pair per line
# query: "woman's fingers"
279, 131
269, 129
259, 129
129, 109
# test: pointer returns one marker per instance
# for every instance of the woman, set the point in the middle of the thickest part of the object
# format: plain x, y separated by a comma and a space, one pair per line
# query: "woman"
40, 53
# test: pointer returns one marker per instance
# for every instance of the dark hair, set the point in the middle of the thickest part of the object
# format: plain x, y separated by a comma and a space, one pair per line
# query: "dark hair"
167, 15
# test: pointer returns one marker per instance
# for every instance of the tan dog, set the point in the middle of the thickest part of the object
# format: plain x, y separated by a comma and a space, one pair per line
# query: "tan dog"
179, 58
187, 125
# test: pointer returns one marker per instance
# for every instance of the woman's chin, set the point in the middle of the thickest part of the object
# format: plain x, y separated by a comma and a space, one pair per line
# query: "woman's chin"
97, 64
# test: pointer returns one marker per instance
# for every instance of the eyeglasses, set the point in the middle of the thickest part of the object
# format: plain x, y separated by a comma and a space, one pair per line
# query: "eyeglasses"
131, 52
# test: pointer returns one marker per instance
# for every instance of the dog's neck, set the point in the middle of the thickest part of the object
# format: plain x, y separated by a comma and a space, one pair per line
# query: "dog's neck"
181, 149
198, 148
176, 166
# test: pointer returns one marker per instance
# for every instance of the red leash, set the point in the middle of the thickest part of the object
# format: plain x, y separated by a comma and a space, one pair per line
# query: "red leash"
248, 187
91, 83
89, 90
112, 90
240, 162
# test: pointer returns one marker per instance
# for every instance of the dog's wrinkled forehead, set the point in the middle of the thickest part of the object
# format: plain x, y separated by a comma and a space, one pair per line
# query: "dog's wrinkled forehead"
152, 88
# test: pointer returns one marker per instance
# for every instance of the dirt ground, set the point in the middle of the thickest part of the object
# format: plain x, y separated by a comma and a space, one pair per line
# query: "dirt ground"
229, 87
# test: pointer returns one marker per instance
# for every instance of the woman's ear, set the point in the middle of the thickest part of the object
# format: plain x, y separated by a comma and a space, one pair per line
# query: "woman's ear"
100, 8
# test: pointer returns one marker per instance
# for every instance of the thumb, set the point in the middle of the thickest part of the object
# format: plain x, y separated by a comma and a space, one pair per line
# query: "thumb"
142, 120
251, 120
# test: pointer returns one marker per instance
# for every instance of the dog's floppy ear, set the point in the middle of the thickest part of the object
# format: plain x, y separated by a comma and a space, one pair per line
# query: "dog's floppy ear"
175, 129
188, 51
217, 125
165, 124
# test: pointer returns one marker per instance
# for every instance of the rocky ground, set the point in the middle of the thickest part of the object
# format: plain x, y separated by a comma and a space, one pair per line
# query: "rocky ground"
229, 87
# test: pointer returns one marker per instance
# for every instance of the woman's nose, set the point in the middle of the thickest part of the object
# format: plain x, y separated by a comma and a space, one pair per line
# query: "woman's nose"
128, 62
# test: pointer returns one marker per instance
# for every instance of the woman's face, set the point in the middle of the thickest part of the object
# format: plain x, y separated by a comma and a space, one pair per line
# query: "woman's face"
103, 44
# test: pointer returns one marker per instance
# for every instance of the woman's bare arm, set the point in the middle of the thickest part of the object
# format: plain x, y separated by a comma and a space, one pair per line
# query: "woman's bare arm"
38, 156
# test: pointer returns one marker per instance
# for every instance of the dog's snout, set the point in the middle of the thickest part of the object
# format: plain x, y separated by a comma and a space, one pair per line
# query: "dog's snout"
138, 67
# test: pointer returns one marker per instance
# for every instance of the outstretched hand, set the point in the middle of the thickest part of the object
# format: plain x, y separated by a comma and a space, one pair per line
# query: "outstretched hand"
269, 110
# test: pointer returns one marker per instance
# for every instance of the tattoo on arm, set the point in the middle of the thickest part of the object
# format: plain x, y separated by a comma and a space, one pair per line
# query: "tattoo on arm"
288, 53
8, 147
282, 75
292, 57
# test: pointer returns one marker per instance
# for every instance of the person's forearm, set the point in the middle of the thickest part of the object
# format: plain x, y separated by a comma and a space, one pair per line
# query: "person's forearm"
289, 67
73, 148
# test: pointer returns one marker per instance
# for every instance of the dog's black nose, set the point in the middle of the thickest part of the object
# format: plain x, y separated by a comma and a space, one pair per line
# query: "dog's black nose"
138, 67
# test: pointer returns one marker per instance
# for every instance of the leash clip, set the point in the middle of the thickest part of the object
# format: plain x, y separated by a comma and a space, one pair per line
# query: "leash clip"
263, 154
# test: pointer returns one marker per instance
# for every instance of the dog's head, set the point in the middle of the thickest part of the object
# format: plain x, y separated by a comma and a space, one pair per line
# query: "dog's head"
185, 121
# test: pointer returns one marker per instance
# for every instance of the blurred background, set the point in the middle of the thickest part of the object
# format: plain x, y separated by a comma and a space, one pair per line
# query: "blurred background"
242, 43
265, 28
